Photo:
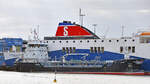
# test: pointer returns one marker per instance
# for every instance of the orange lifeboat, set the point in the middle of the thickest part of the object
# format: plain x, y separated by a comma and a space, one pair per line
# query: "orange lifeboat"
145, 33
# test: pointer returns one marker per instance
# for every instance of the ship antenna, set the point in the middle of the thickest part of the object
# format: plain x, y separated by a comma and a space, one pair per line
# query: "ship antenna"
122, 31
81, 17
38, 27
106, 32
94, 25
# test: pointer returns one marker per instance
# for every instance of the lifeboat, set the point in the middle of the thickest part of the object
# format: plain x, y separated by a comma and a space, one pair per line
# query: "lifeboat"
145, 33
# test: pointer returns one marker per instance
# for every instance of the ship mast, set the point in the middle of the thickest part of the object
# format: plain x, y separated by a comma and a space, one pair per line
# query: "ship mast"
81, 17
34, 34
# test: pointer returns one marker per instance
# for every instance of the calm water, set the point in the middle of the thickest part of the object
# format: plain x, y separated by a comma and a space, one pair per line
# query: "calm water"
47, 78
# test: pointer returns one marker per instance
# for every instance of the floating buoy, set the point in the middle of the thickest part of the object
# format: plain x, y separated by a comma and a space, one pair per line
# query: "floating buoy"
55, 81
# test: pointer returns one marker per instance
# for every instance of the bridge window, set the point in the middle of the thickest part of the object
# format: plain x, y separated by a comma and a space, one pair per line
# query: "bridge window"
121, 49
129, 49
74, 49
99, 50
33, 53
70, 49
102, 49
133, 49
67, 49
144, 39
91, 49
95, 49
63, 49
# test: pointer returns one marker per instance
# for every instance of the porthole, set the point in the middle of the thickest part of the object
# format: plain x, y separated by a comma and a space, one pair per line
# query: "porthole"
117, 40
102, 40
133, 40
80, 41
73, 41
88, 41
125, 40
95, 41
59, 41
66, 41
109, 40
53, 41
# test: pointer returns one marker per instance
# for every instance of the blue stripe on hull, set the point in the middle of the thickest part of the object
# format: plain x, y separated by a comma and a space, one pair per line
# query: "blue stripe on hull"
91, 56
146, 64
10, 62
2, 60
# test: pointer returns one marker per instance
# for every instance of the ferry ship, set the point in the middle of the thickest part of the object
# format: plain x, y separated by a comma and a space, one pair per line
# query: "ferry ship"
75, 48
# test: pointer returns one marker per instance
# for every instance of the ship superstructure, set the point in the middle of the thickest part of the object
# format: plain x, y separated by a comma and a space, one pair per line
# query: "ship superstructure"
77, 43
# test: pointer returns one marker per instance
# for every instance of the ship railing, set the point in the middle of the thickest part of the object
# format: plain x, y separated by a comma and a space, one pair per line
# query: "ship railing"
73, 64
86, 54
30, 60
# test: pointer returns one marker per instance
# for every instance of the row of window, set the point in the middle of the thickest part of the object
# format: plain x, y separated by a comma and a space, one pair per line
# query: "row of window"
128, 49
97, 49
68, 49
94, 41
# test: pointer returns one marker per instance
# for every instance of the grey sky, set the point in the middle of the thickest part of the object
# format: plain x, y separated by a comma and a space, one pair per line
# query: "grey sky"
17, 17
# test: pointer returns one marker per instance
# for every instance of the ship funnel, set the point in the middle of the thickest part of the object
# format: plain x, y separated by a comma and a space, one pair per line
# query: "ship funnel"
68, 29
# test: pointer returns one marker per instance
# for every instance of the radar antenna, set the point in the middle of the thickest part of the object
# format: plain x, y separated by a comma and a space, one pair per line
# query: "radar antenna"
122, 31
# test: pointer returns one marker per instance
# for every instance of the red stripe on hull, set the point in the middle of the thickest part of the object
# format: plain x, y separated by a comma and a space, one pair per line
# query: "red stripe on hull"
110, 73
